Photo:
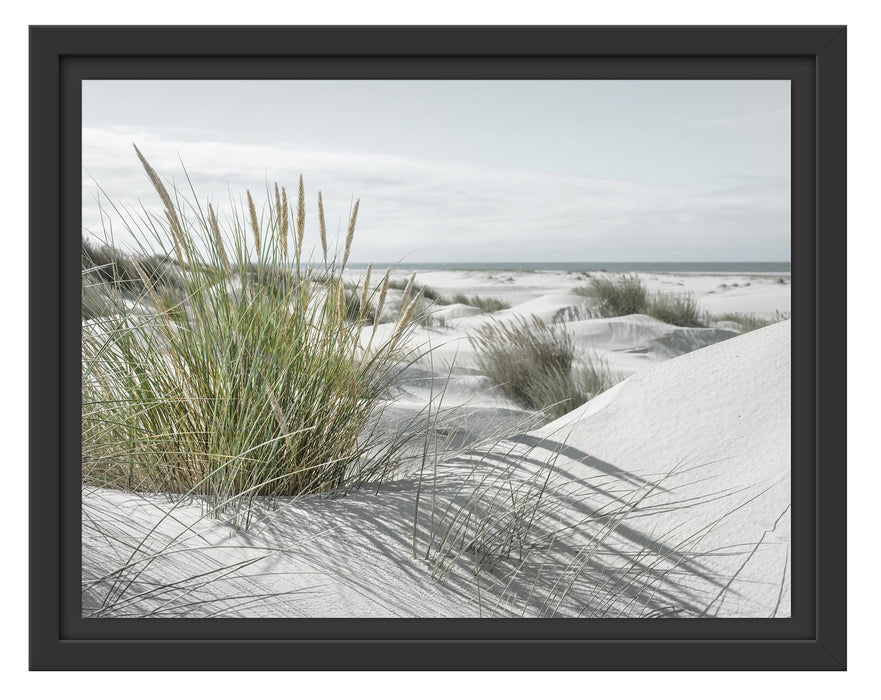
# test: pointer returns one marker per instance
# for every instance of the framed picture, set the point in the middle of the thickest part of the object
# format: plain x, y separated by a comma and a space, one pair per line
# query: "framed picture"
437, 348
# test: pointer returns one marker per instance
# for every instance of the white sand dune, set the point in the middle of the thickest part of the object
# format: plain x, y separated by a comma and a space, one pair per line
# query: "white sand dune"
668, 495
762, 294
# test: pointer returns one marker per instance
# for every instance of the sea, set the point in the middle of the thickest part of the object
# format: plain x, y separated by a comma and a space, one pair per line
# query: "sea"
671, 267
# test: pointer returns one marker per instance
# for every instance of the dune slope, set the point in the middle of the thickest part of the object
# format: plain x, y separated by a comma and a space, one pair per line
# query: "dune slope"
668, 495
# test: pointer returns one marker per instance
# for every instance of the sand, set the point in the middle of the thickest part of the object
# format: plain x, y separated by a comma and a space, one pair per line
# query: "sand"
667, 495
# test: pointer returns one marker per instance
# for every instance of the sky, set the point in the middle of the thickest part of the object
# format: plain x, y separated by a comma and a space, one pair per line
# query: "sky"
469, 171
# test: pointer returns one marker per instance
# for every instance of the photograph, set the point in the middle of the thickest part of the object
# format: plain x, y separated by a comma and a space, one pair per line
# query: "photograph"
436, 348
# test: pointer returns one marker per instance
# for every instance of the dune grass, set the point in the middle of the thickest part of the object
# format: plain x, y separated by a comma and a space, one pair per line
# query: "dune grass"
505, 530
613, 296
112, 278
485, 304
534, 363
118, 269
676, 309
626, 294
253, 384
433, 297
492, 515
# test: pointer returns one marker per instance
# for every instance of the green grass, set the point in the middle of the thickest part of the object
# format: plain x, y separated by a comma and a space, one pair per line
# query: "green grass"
485, 304
113, 267
250, 385
613, 296
676, 309
626, 294
534, 363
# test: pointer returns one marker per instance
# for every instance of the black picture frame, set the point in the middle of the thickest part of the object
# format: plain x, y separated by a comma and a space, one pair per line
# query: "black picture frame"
813, 57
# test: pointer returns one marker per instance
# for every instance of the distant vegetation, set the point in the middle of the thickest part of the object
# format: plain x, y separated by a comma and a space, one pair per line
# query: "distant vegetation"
112, 278
433, 297
424, 290
626, 294
485, 304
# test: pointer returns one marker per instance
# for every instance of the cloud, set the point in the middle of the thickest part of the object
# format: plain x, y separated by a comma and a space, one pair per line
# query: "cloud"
765, 120
453, 210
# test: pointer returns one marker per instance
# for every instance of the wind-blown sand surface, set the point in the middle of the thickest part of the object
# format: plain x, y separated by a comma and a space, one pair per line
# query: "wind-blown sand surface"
626, 344
667, 495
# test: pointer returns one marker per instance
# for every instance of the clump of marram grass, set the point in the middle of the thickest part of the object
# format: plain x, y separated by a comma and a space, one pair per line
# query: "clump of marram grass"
619, 296
558, 393
486, 304
254, 383
676, 309
533, 363
626, 294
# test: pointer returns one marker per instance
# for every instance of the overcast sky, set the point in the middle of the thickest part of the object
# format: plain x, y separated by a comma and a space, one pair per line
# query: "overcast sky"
495, 171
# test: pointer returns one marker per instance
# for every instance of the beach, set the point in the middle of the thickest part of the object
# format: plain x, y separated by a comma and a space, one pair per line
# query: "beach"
667, 494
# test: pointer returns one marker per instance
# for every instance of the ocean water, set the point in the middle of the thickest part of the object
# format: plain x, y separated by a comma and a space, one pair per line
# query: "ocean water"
717, 267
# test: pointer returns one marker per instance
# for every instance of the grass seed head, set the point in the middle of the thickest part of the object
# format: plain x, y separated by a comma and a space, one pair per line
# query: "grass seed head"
322, 229
350, 234
365, 290
255, 226
382, 293
301, 217
177, 232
